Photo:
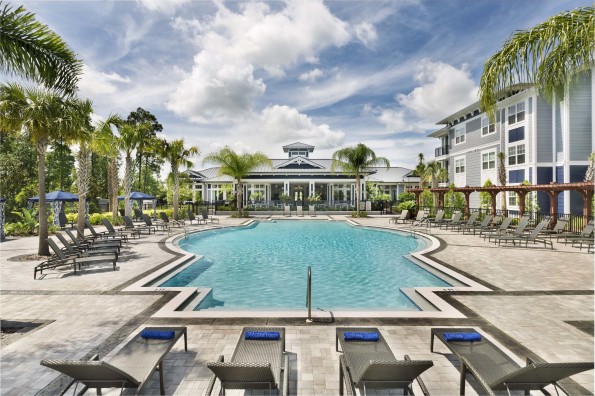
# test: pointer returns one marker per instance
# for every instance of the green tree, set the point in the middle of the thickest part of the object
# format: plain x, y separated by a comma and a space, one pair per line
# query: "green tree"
545, 55
31, 50
60, 163
420, 169
434, 173
354, 161
45, 115
18, 176
590, 173
454, 200
130, 137
177, 155
148, 145
237, 166
531, 204
502, 176
485, 198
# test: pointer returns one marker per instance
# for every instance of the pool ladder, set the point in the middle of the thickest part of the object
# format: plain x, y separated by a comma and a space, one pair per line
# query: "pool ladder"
419, 224
309, 295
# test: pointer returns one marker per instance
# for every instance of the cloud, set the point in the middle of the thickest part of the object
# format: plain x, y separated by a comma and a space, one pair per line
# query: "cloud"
311, 76
165, 6
366, 33
94, 82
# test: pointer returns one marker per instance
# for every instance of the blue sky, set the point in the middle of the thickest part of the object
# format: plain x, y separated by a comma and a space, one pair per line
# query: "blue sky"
258, 75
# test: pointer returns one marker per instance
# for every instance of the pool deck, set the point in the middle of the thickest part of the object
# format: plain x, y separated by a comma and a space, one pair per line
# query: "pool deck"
540, 305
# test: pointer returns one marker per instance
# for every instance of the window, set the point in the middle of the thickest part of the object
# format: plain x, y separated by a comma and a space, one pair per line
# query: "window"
460, 165
487, 127
295, 153
516, 155
513, 198
516, 113
516, 134
460, 135
488, 160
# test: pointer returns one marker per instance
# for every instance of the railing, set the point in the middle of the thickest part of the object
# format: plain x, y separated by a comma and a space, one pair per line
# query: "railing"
440, 151
309, 295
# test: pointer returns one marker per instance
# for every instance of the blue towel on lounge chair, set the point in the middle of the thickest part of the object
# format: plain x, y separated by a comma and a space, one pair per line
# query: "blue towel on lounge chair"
262, 335
360, 336
462, 336
158, 334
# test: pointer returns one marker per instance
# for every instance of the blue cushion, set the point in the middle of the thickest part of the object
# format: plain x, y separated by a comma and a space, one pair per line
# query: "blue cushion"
360, 336
262, 335
462, 337
158, 334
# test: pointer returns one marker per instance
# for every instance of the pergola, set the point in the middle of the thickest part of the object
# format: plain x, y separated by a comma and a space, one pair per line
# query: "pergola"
586, 189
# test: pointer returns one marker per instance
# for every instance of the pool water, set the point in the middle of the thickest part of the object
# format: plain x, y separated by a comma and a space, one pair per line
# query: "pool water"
264, 266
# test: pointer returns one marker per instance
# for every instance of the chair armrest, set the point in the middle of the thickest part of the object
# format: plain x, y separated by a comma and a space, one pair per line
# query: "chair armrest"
212, 379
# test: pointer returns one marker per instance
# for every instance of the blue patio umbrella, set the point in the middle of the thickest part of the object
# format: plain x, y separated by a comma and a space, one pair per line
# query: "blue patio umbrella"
57, 196
141, 196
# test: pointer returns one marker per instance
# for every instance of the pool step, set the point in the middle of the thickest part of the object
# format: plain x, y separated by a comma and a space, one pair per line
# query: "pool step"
418, 299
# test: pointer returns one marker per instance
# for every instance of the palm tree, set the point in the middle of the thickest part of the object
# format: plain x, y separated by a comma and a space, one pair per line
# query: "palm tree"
177, 155
545, 55
31, 50
44, 115
354, 161
420, 168
434, 173
237, 166
502, 176
128, 142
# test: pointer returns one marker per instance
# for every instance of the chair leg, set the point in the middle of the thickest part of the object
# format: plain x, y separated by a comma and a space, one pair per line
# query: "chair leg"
161, 379
341, 378
462, 379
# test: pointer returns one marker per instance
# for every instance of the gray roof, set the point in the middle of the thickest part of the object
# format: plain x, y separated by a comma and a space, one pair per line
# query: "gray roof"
394, 174
297, 146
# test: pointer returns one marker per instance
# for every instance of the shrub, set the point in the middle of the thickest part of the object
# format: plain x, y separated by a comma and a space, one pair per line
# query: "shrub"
406, 196
243, 214
95, 219
361, 213
407, 205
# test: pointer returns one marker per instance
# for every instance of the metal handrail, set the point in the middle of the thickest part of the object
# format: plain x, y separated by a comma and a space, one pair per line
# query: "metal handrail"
309, 295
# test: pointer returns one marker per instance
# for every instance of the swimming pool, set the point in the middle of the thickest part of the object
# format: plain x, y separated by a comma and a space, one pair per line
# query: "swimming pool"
264, 266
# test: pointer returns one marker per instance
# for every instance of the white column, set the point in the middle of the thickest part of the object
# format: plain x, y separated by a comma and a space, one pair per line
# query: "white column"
312, 187
286, 187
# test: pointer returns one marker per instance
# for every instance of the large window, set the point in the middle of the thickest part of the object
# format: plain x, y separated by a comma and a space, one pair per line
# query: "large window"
516, 113
487, 127
488, 160
460, 165
460, 134
516, 134
295, 153
513, 199
256, 192
516, 155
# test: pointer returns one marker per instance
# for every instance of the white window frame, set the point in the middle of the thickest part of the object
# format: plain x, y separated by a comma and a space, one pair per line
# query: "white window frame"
487, 127
491, 160
513, 154
460, 134
516, 113
458, 167
512, 198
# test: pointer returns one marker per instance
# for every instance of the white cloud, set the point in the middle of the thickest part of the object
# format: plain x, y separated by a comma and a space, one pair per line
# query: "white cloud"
94, 82
165, 6
366, 33
311, 76
444, 89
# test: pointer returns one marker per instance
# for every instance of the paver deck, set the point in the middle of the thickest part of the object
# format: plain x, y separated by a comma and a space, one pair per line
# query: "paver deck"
539, 297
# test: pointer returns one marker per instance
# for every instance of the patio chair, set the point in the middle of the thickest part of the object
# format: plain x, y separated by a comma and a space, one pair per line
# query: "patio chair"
258, 361
473, 227
422, 215
138, 214
368, 362
129, 225
495, 370
312, 210
588, 242
438, 219
120, 231
74, 250
557, 230
402, 218
533, 237
104, 234
157, 225
192, 217
469, 223
64, 221
91, 243
287, 211
174, 223
453, 221
518, 231
500, 230
207, 218
299, 211
131, 367
585, 233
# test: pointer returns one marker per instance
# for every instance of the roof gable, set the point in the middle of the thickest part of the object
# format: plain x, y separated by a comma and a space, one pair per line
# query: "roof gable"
299, 162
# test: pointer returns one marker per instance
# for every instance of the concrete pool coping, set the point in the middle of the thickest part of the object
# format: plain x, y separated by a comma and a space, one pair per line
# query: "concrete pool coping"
185, 295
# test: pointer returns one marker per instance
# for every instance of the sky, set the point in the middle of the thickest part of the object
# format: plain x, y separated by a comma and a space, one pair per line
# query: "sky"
257, 75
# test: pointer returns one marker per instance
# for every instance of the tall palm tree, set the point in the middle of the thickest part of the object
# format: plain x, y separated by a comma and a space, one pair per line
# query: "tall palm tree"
44, 115
237, 166
420, 168
502, 176
354, 161
434, 173
177, 155
31, 50
545, 55
130, 136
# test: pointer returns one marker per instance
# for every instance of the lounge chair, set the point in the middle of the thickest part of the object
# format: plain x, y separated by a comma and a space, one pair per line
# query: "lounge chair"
500, 230
120, 231
138, 214
422, 215
74, 250
105, 234
131, 367
312, 210
473, 227
287, 211
402, 218
64, 221
372, 364
255, 363
174, 223
580, 242
455, 220
557, 230
157, 225
92, 244
585, 233
495, 370
207, 218
533, 237
129, 225
192, 217
469, 223
438, 219
299, 211
518, 231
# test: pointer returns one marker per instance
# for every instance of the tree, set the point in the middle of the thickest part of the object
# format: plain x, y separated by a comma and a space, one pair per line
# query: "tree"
45, 115
236, 166
485, 198
177, 155
590, 173
147, 145
545, 55
502, 176
354, 161
130, 137
31, 50
59, 164
420, 168
18, 176
434, 173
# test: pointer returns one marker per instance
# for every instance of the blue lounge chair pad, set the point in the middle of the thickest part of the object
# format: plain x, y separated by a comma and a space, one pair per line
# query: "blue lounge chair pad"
262, 335
462, 336
361, 336
158, 334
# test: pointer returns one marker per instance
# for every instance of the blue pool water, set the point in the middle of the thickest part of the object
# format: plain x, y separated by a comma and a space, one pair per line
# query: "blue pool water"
264, 266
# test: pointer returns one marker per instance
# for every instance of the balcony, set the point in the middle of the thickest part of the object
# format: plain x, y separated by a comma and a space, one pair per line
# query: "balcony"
440, 151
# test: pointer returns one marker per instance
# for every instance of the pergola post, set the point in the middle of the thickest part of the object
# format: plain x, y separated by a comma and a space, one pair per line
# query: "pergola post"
467, 210
417, 195
553, 207
441, 199
587, 207
494, 194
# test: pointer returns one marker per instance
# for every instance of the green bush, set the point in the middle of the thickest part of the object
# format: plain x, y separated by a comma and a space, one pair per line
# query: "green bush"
95, 219
242, 214
406, 196
407, 205
361, 213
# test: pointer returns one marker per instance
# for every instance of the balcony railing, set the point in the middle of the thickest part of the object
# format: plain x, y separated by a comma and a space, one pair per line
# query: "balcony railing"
440, 151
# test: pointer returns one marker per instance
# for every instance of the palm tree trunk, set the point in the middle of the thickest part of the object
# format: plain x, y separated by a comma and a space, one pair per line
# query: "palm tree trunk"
174, 172
357, 194
43, 248
127, 185
84, 167
113, 166
239, 197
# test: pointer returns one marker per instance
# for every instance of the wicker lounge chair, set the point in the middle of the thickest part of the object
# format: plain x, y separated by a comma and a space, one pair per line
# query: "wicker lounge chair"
255, 363
129, 225
74, 250
372, 364
105, 234
92, 244
130, 367
495, 370
120, 231
207, 218
402, 218
174, 223
533, 237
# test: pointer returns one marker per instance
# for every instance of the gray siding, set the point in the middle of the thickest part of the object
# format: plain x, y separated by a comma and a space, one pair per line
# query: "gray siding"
529, 154
473, 136
544, 130
580, 118
473, 175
